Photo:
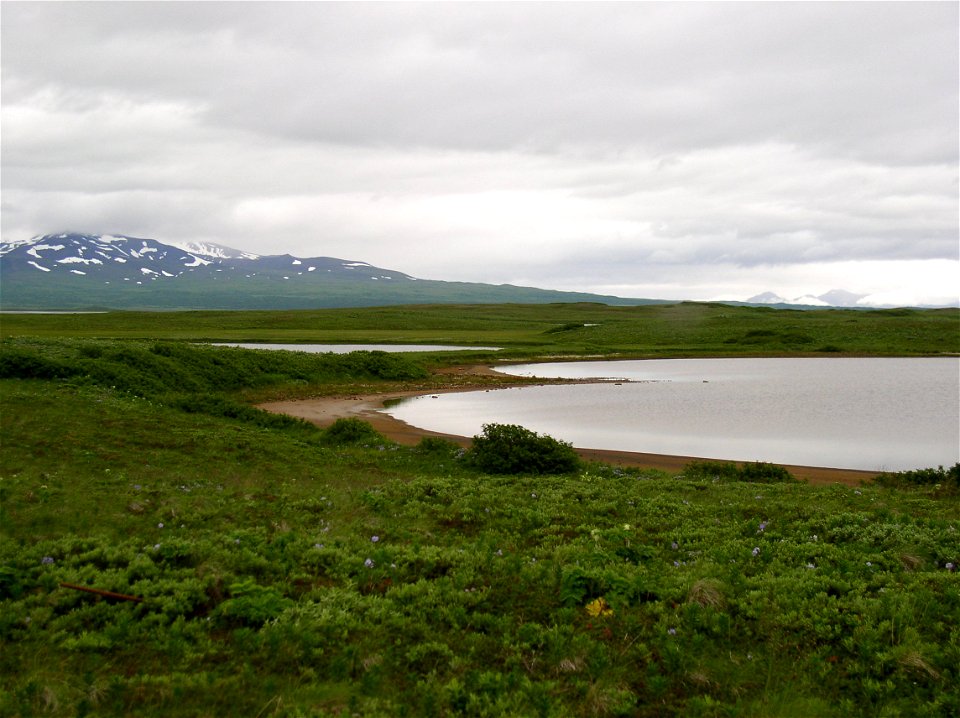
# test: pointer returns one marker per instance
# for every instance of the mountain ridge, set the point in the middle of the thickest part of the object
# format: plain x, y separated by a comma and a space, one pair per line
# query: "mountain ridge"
118, 271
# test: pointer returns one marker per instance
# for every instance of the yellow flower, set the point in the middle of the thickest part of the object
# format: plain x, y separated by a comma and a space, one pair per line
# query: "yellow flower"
599, 608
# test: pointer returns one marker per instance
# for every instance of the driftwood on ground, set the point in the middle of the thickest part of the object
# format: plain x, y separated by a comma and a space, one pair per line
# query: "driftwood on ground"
101, 592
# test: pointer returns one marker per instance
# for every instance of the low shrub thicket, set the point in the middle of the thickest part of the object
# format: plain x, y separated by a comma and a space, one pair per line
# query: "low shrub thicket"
352, 431
757, 472
948, 480
193, 377
512, 449
153, 369
439, 447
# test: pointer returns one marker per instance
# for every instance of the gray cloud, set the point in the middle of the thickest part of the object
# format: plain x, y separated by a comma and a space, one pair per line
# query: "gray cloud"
573, 144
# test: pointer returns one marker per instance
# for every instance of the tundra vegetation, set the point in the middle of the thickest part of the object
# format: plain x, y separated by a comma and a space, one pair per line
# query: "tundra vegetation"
283, 569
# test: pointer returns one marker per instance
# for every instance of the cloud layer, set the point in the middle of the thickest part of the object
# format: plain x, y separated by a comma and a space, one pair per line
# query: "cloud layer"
677, 150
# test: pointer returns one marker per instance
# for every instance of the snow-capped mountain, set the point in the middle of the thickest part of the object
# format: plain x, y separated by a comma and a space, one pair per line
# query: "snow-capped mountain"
117, 258
69, 271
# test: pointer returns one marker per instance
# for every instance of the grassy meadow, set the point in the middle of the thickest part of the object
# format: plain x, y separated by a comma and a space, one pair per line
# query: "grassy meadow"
260, 566
685, 329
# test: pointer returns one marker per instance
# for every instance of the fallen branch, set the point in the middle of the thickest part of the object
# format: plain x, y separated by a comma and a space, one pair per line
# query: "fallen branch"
101, 592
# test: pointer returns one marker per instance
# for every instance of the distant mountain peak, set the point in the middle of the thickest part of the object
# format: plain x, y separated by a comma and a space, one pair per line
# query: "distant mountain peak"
833, 298
118, 257
766, 298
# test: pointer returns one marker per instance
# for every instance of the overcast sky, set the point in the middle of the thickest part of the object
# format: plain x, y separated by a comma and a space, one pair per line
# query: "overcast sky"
668, 150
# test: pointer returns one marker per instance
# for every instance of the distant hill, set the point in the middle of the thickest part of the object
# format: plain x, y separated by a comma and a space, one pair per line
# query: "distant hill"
71, 271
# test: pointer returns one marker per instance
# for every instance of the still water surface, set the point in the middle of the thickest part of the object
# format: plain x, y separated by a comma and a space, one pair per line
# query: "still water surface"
891, 414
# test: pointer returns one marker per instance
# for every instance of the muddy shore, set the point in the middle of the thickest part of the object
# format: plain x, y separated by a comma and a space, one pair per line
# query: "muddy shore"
324, 411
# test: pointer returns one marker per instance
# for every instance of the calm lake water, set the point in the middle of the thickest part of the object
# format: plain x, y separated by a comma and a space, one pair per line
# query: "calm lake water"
873, 414
347, 348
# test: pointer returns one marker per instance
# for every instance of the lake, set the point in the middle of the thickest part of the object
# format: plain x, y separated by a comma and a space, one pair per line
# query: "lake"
347, 348
858, 413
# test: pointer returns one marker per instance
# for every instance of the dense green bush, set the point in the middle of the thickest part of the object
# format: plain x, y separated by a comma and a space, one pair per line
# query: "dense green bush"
352, 431
512, 449
16, 363
758, 472
251, 604
438, 446
946, 479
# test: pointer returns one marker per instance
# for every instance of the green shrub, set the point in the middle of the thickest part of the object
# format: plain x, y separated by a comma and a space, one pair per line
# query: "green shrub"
758, 472
252, 605
352, 431
438, 446
382, 365
947, 479
22, 364
512, 449
10, 585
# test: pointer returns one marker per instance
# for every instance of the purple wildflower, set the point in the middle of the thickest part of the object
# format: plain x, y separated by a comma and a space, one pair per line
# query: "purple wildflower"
46, 560
369, 563
374, 539
756, 550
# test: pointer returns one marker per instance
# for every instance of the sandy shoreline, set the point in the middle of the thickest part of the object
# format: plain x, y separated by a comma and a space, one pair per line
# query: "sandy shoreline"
368, 407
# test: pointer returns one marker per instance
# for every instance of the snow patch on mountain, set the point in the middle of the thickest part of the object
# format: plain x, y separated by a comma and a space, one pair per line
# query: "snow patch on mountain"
79, 260
216, 251
35, 250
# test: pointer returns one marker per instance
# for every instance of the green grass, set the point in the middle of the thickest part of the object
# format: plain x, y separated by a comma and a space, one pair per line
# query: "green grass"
250, 547
689, 329
291, 571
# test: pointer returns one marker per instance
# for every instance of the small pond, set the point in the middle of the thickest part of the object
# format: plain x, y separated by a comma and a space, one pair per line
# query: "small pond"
857, 413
